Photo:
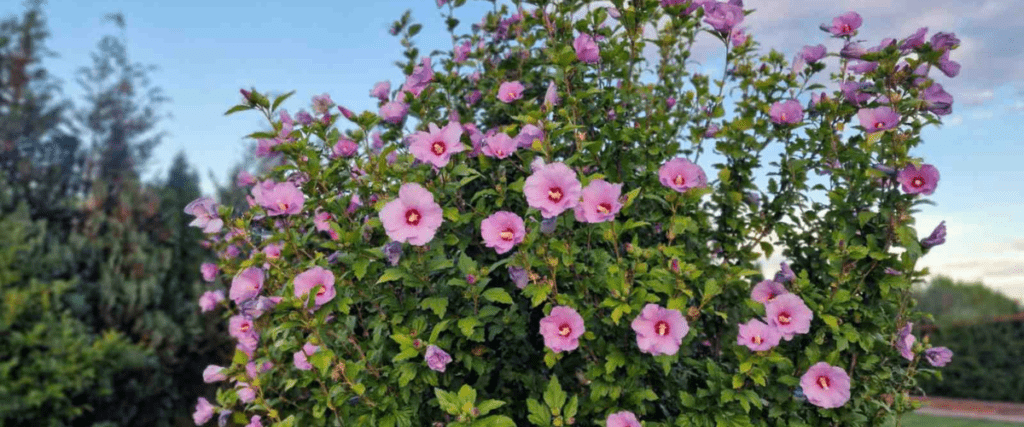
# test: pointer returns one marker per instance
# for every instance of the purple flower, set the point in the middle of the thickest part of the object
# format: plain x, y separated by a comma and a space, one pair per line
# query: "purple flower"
722, 16
937, 100
209, 300
209, 271
552, 189
213, 373
473, 97
420, 78
393, 252
304, 118
462, 52
738, 36
282, 198
938, 356
949, 68
937, 237
502, 231
845, 24
915, 40
436, 358
826, 386
852, 50
853, 92
785, 273
437, 145
255, 421
241, 328
861, 67
789, 314
766, 291
245, 393
381, 90
758, 336
255, 307
659, 330
203, 413
893, 272
548, 225
918, 181
315, 278
393, 112
812, 54
301, 358
681, 175
944, 41
518, 276
322, 103
586, 49
550, 96
413, 217
509, 92
205, 211
711, 131
905, 341
246, 285
600, 202
499, 146
622, 419
244, 179
878, 119
527, 135
786, 113
562, 329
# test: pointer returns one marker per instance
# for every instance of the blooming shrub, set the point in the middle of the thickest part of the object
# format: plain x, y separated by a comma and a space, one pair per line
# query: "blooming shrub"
433, 275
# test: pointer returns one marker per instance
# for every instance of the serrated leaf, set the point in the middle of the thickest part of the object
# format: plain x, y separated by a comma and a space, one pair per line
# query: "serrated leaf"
390, 275
436, 304
467, 324
322, 360
448, 401
554, 396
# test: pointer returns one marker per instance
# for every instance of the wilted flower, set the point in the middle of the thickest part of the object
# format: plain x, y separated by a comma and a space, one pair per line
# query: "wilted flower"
767, 290
213, 373
209, 300
437, 359
519, 276
905, 341
393, 112
203, 413
937, 237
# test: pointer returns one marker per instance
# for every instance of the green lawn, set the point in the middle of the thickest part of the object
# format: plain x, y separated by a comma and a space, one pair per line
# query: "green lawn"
927, 421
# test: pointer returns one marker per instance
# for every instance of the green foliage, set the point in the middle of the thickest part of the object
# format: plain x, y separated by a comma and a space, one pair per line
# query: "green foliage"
986, 361
53, 368
694, 252
952, 302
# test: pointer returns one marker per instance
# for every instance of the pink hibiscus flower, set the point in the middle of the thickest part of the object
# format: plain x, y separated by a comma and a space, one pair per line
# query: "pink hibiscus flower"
552, 189
562, 329
659, 330
502, 231
413, 217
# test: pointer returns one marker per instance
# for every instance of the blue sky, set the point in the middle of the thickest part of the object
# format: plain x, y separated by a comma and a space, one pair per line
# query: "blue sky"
207, 50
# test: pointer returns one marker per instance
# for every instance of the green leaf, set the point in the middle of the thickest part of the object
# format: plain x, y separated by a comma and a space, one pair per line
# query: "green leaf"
322, 360
359, 267
438, 305
489, 405
711, 289
280, 99
236, 109
553, 395
467, 394
448, 401
498, 295
539, 414
831, 321
391, 274
467, 324
494, 421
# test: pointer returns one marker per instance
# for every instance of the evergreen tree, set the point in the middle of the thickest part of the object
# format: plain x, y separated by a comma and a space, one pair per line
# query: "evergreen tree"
40, 158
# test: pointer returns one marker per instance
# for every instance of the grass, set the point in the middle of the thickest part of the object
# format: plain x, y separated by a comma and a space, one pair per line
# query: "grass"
914, 420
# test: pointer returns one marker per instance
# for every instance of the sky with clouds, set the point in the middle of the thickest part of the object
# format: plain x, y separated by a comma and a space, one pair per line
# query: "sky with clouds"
207, 50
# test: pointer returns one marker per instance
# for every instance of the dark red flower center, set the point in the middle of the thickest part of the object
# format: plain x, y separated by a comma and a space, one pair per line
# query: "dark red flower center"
846, 28
321, 291
555, 194
564, 330
661, 328
824, 382
917, 181
757, 339
879, 125
679, 180
244, 327
438, 147
784, 318
282, 206
507, 234
604, 208
412, 217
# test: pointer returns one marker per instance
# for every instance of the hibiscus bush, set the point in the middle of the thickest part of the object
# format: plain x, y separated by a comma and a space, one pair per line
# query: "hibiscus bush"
558, 222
